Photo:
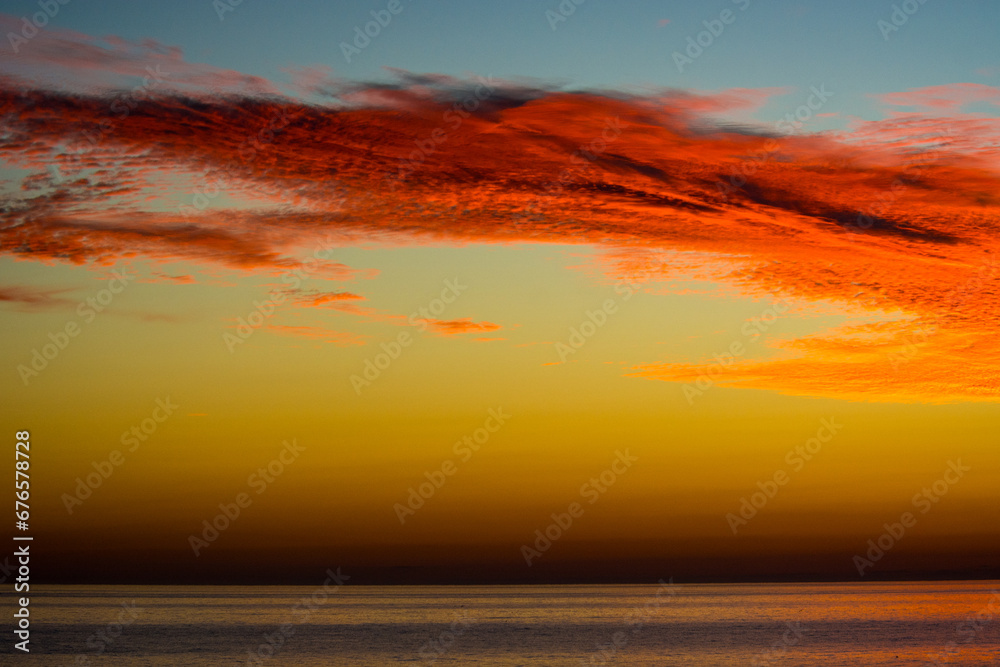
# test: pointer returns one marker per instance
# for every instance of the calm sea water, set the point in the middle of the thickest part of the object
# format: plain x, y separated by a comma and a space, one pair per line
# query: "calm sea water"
853, 624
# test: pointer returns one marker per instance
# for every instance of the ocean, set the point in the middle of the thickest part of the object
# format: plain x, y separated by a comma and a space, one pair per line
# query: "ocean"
857, 624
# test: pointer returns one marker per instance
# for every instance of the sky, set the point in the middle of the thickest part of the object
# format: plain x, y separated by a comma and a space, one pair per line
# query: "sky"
498, 293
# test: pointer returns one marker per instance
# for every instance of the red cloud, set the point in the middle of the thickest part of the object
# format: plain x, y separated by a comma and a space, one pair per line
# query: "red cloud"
901, 211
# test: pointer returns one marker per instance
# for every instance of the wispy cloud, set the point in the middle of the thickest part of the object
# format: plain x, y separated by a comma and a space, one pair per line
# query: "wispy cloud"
326, 298
341, 338
25, 297
461, 326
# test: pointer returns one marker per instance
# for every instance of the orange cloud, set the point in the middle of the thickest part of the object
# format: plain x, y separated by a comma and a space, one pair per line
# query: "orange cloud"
461, 326
184, 279
329, 297
340, 338
892, 216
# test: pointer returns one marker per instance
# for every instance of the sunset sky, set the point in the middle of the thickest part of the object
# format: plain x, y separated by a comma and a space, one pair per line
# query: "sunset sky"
495, 252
